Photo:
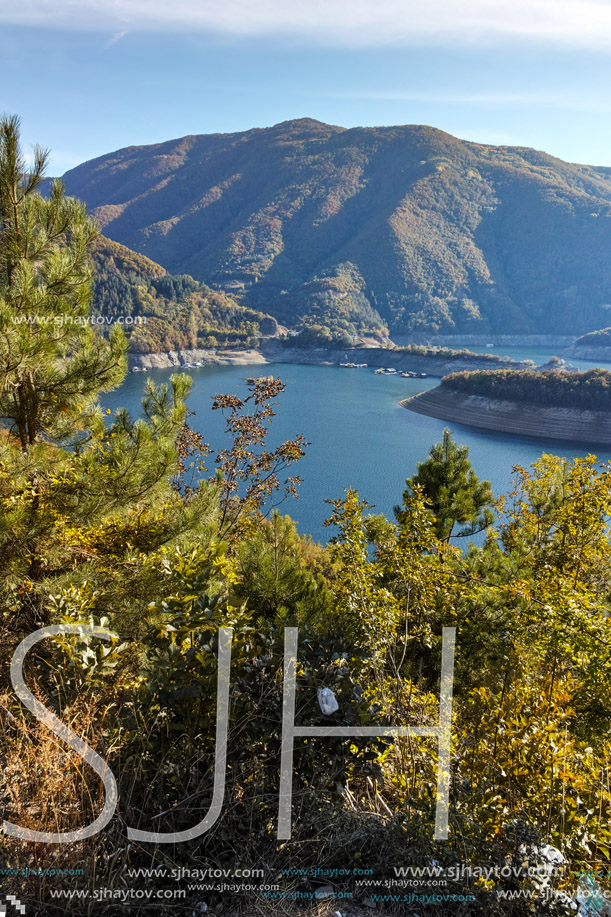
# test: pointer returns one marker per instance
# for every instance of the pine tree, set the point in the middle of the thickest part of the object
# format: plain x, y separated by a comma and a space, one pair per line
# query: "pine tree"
53, 363
452, 490
68, 476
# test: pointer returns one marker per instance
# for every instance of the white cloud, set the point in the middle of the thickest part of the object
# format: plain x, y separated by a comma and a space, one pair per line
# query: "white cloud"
115, 38
584, 23
550, 100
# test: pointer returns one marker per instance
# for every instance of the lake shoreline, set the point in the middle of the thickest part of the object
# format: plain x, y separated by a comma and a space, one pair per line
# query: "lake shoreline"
560, 341
437, 365
524, 419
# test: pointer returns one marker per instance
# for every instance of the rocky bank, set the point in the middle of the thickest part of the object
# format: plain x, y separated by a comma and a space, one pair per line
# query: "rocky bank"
588, 353
513, 417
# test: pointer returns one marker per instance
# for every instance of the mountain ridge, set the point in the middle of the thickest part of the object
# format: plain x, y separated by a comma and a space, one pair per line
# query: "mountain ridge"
400, 228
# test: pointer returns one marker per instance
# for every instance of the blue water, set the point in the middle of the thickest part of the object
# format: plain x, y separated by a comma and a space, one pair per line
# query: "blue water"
359, 434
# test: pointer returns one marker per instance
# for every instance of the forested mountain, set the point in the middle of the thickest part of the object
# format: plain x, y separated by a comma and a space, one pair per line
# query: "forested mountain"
406, 227
160, 311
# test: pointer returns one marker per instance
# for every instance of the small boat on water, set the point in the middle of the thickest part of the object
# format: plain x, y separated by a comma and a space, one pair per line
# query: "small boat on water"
378, 372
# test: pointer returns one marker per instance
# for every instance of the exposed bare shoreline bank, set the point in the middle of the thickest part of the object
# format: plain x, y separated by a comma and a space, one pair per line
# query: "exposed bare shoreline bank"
483, 340
177, 358
437, 365
512, 417
589, 353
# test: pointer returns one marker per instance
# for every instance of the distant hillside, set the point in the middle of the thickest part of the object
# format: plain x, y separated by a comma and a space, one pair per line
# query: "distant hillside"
162, 312
406, 227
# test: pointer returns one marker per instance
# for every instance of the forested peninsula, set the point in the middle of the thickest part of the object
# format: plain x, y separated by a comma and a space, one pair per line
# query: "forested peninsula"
593, 346
573, 406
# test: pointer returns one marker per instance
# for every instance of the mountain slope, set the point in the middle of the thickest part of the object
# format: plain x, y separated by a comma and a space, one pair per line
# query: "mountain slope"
161, 312
403, 226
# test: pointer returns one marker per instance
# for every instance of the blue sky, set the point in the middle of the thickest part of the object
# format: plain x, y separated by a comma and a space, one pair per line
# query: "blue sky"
91, 76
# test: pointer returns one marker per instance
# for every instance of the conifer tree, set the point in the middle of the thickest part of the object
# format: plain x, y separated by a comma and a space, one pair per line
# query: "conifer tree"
64, 467
452, 490
53, 364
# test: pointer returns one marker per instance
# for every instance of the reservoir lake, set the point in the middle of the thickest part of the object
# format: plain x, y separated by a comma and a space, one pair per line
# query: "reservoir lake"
359, 434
